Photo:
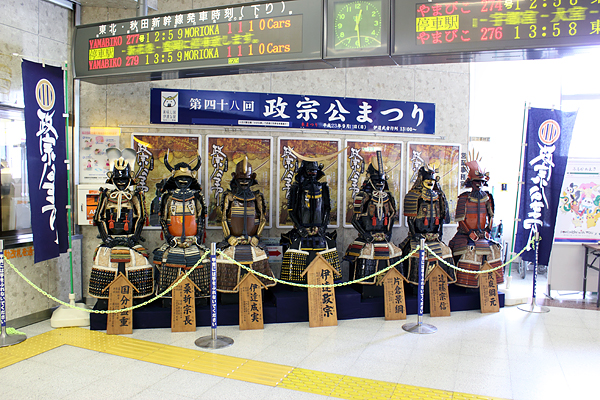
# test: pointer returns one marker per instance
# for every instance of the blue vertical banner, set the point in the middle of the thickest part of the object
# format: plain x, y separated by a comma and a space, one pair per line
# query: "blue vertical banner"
44, 96
546, 152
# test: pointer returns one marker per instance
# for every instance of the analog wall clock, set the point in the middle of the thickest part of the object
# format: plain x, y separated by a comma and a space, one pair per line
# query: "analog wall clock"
357, 28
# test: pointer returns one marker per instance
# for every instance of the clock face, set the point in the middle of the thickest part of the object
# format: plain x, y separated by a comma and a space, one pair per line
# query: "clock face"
357, 24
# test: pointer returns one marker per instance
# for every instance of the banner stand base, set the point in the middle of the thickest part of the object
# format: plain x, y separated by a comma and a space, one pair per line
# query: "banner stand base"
208, 342
65, 316
419, 328
533, 308
9, 340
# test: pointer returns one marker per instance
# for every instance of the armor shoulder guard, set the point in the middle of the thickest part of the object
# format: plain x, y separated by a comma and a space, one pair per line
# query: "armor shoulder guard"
461, 206
411, 203
360, 198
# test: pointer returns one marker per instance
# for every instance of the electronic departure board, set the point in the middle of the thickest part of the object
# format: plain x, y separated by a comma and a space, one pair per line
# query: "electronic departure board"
441, 27
195, 42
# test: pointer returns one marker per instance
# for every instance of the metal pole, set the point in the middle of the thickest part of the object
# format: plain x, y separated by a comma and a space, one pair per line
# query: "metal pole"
213, 341
532, 306
420, 327
5, 339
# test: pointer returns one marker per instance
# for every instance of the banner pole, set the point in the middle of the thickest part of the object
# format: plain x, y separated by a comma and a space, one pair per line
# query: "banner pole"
420, 327
69, 316
532, 306
5, 339
213, 341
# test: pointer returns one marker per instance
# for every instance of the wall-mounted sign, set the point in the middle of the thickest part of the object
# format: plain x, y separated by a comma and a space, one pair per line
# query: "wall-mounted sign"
426, 28
204, 107
227, 37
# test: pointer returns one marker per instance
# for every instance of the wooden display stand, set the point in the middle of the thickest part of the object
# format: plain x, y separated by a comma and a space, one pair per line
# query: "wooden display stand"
183, 306
322, 309
394, 298
439, 297
120, 295
251, 305
488, 290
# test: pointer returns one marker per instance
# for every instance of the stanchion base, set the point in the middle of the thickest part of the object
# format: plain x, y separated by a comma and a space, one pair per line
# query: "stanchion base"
9, 340
208, 342
419, 328
533, 308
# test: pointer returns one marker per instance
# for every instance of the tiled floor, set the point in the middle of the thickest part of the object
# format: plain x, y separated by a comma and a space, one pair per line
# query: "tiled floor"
512, 354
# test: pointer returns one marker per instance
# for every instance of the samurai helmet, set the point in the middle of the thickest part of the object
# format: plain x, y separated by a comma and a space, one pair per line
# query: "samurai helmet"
122, 162
427, 177
181, 168
376, 172
476, 173
243, 171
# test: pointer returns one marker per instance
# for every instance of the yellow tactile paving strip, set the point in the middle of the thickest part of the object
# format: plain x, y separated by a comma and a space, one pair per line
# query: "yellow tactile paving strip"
304, 380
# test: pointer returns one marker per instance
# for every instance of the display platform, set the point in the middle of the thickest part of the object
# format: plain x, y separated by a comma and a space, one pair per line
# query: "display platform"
284, 304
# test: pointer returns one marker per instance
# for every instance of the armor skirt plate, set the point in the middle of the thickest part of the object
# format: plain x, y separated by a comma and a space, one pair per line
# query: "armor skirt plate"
298, 257
230, 274
472, 258
368, 258
438, 247
135, 266
174, 261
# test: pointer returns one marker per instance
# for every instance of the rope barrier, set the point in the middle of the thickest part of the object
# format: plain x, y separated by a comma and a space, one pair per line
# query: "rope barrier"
526, 248
108, 311
317, 286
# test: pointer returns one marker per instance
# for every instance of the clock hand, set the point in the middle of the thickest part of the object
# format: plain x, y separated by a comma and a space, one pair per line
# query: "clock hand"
358, 18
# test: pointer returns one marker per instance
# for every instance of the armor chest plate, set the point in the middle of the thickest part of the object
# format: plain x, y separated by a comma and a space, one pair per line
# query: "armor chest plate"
378, 212
311, 205
242, 217
182, 219
476, 216
119, 217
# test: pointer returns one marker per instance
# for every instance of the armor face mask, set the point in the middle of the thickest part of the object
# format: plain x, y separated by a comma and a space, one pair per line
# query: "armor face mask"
311, 168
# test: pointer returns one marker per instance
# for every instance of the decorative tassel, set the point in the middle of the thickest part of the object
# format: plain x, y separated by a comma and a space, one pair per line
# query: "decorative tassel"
111, 222
426, 222
385, 220
437, 221
374, 219
126, 227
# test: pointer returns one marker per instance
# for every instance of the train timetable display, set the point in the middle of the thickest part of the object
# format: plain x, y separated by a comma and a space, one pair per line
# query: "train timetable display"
462, 26
228, 36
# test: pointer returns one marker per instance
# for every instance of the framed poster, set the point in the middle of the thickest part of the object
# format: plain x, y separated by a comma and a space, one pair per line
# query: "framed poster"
151, 150
222, 155
579, 205
359, 154
93, 143
288, 163
445, 158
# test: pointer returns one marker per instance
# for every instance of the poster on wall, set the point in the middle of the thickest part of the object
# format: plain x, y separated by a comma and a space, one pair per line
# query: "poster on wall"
93, 143
445, 158
222, 156
359, 154
579, 204
150, 168
286, 168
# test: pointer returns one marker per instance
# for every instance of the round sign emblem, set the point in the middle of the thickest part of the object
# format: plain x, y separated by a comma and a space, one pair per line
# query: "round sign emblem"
44, 93
549, 131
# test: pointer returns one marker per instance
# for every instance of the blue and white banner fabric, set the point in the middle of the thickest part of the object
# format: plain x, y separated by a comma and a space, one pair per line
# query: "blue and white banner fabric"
205, 107
46, 153
544, 165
